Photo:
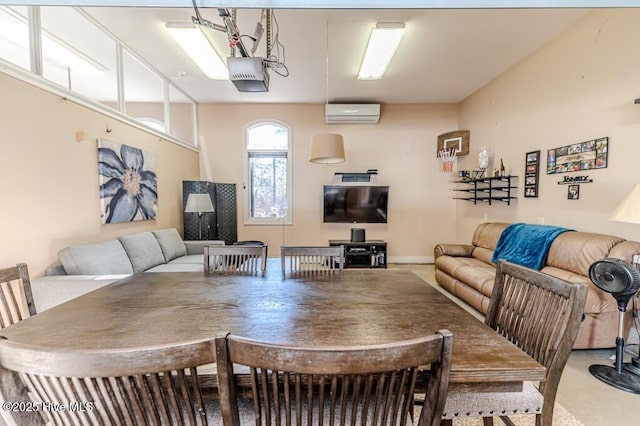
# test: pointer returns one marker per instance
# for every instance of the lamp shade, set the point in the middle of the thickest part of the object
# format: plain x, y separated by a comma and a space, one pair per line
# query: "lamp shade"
629, 208
327, 148
199, 203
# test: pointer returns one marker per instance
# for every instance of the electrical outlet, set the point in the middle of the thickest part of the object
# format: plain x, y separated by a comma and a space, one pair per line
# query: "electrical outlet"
540, 220
485, 217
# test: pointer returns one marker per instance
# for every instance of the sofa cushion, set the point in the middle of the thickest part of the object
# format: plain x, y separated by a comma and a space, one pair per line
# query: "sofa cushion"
487, 235
483, 254
576, 251
177, 267
474, 273
170, 242
197, 247
143, 250
108, 257
597, 300
194, 259
625, 250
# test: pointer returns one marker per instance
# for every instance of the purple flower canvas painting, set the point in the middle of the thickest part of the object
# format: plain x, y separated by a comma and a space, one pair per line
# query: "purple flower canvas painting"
128, 183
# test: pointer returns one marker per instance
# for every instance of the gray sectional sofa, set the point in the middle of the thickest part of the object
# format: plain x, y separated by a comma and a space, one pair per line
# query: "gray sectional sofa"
84, 268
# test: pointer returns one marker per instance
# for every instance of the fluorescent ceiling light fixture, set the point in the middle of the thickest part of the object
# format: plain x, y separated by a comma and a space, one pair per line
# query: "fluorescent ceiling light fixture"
193, 41
14, 28
384, 41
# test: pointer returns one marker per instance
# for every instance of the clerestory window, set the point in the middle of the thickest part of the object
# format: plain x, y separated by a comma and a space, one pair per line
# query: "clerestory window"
65, 51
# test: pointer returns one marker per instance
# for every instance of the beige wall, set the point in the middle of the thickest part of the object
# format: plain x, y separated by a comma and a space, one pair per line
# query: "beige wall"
402, 147
580, 86
49, 181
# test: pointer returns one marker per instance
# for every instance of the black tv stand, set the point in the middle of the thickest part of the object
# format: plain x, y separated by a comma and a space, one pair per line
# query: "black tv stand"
365, 254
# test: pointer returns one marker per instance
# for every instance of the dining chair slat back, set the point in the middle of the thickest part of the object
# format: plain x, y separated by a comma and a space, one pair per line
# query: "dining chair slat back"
334, 385
236, 259
308, 259
16, 300
541, 314
146, 386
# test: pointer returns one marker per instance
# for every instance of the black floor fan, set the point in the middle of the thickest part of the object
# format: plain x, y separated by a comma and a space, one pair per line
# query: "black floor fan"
622, 280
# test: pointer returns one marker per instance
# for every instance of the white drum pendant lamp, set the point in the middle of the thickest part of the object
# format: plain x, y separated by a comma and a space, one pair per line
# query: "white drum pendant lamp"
327, 148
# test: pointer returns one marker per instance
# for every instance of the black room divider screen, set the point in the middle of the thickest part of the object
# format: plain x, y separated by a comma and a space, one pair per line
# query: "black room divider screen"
218, 225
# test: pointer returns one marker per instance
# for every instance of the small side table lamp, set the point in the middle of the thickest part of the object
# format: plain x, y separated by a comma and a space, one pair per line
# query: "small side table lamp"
199, 203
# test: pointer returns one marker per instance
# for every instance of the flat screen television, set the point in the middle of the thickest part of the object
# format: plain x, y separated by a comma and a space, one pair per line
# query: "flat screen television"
355, 204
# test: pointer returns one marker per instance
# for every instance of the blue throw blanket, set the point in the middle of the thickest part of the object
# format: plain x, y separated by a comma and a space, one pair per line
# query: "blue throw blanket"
525, 244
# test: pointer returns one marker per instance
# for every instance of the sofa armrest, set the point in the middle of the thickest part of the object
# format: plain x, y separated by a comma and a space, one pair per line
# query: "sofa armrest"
455, 250
197, 247
55, 271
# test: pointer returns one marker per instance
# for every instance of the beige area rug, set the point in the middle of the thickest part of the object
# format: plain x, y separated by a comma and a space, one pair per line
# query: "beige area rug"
561, 417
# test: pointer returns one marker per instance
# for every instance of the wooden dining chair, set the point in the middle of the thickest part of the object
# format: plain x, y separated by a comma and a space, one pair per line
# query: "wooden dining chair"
333, 385
16, 300
140, 386
541, 314
236, 259
307, 259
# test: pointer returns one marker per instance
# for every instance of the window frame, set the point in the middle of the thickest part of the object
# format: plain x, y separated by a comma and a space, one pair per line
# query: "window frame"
34, 75
288, 219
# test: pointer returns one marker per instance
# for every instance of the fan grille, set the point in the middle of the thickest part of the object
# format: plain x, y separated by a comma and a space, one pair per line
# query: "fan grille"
615, 276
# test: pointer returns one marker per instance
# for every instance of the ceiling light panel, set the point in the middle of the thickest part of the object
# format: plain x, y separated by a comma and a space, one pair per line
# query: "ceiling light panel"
193, 41
383, 42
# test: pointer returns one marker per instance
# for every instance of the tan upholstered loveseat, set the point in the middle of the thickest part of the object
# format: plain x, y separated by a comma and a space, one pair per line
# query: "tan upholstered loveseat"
466, 271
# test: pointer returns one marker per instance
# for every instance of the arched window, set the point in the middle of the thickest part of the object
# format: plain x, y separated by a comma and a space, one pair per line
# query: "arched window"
267, 159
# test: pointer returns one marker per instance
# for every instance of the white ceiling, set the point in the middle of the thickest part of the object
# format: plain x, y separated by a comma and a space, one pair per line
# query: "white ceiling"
445, 56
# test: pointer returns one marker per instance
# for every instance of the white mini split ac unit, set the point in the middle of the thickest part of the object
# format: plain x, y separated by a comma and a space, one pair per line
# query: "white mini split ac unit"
351, 113
248, 74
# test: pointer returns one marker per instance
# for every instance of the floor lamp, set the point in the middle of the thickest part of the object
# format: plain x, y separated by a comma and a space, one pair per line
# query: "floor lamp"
199, 203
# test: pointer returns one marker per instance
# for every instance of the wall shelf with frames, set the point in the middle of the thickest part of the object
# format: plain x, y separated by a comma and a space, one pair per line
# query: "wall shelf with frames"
487, 189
